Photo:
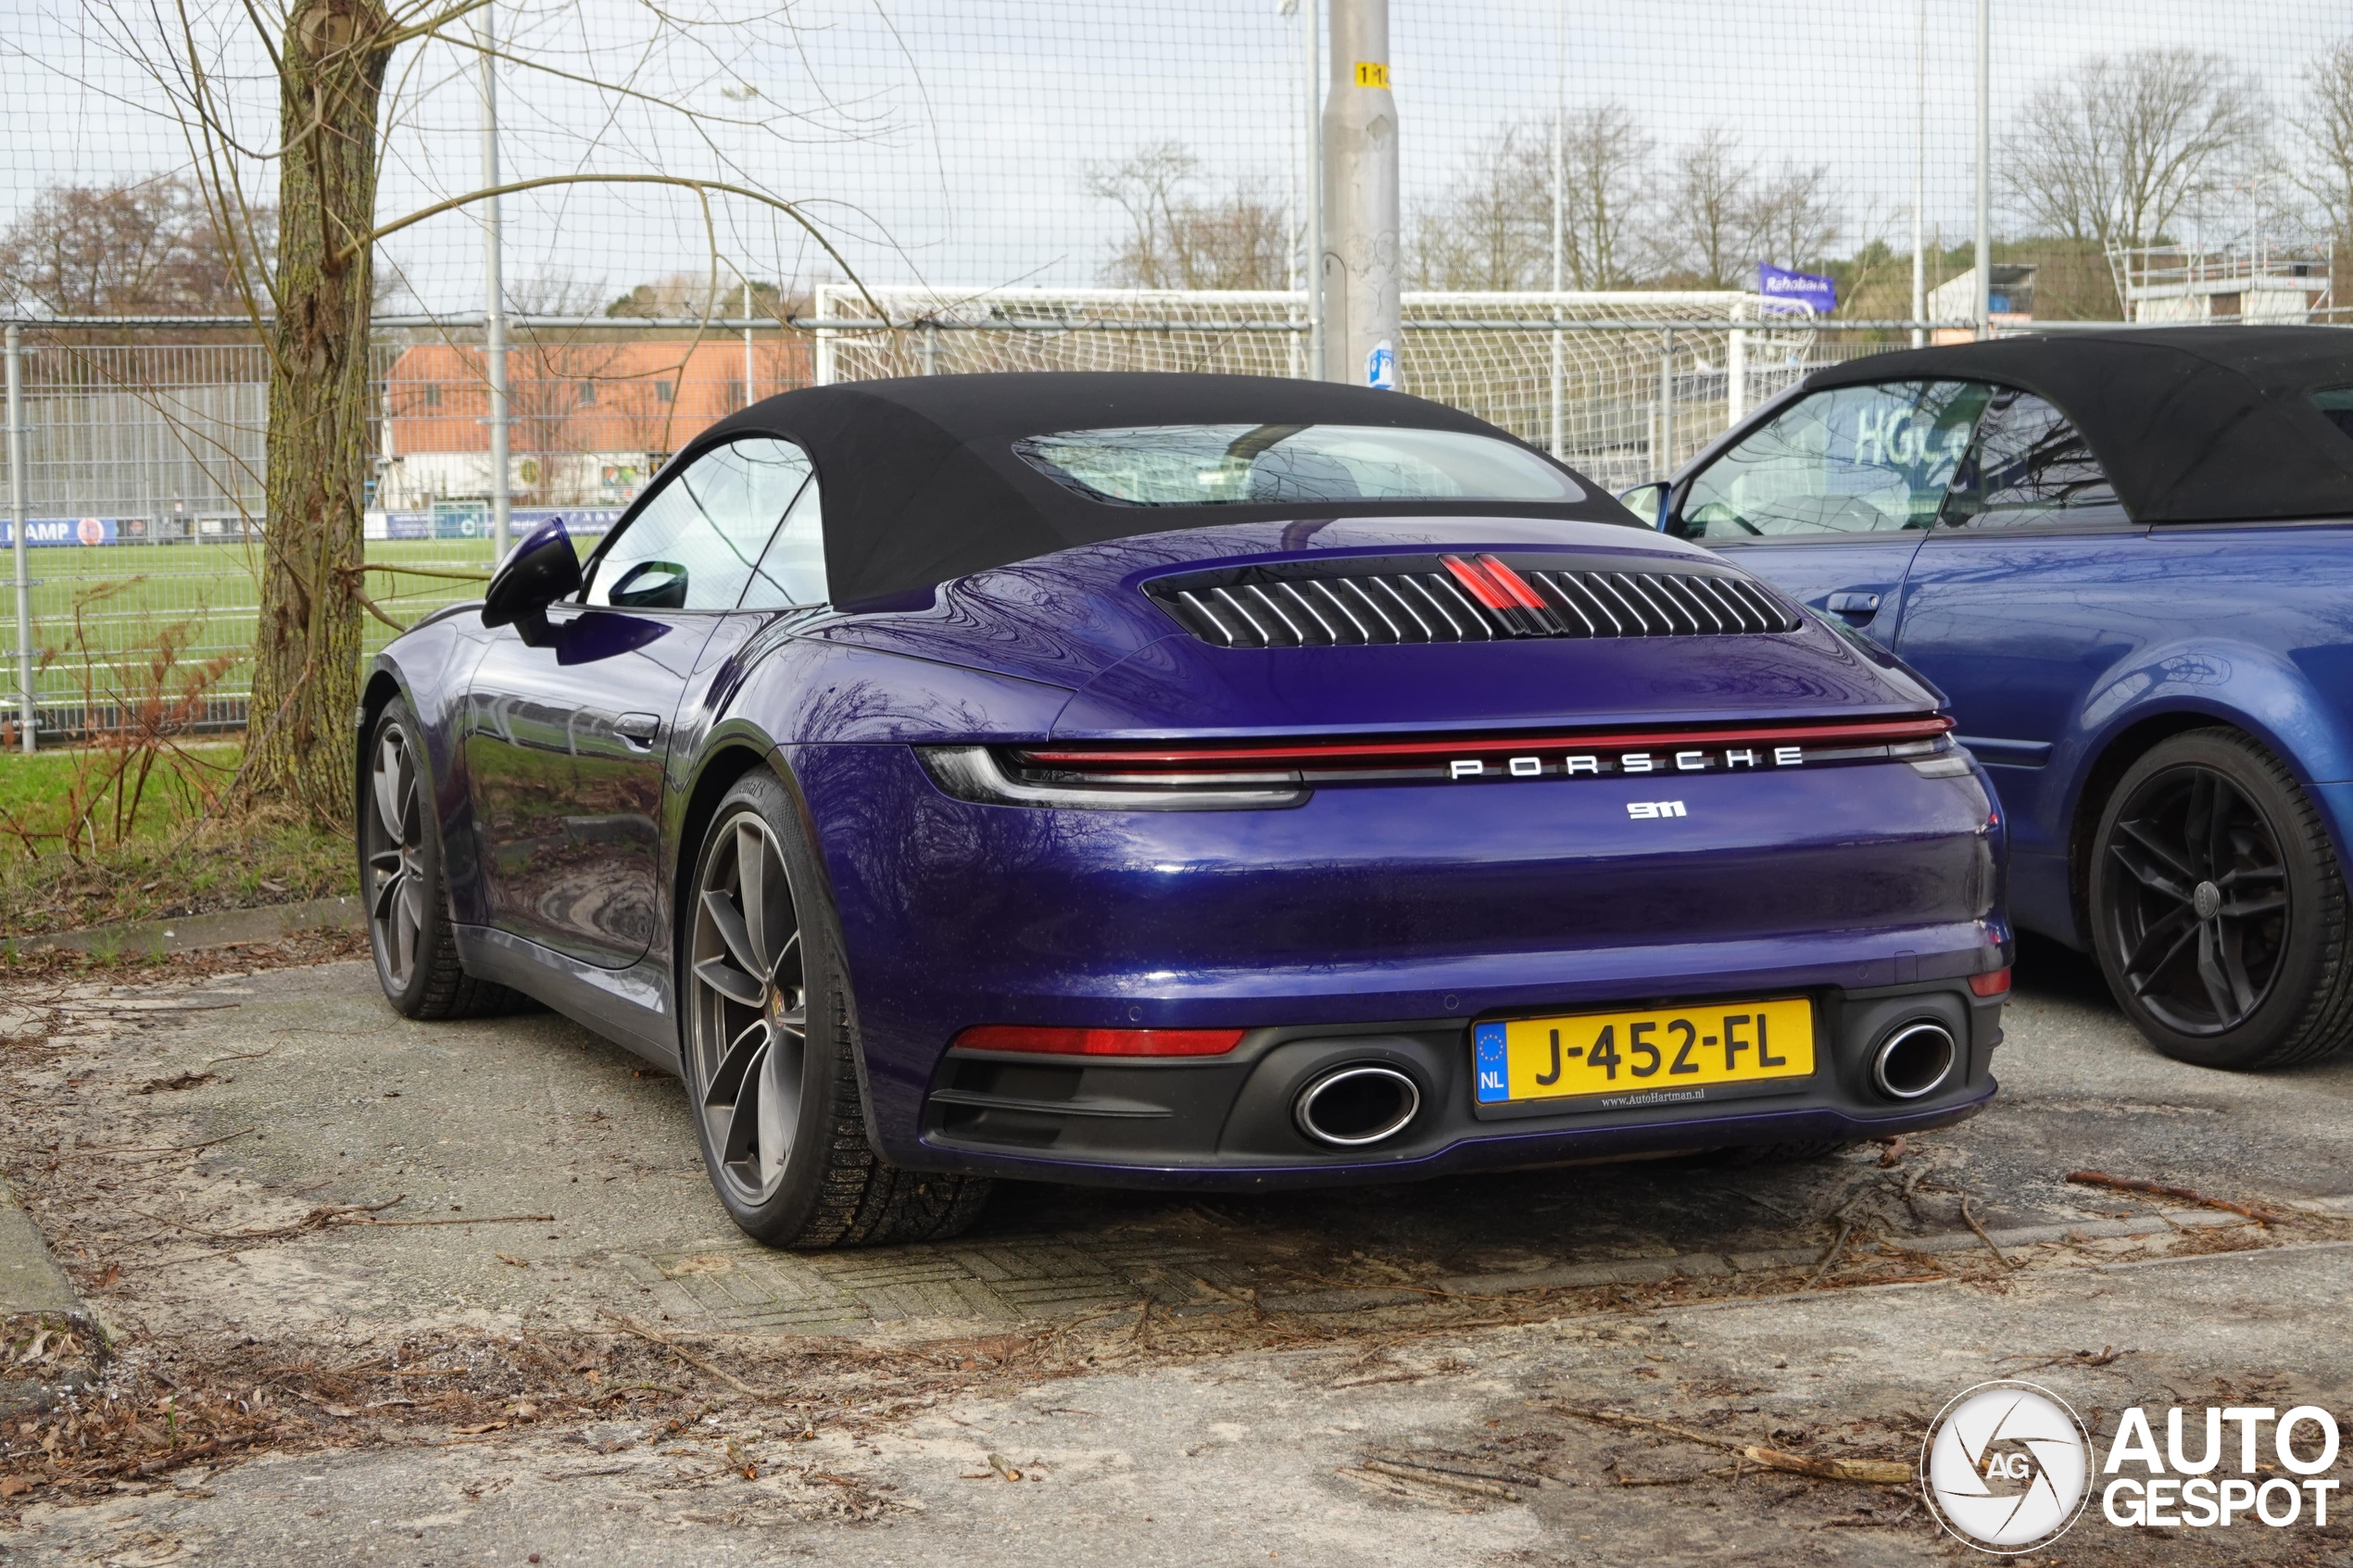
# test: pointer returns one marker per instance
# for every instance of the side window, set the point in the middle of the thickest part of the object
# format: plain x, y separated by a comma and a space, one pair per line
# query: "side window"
695, 543
1854, 460
793, 571
2028, 466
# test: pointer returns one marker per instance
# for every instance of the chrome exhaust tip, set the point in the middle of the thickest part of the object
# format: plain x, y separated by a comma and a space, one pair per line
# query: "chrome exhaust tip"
1915, 1060
1357, 1105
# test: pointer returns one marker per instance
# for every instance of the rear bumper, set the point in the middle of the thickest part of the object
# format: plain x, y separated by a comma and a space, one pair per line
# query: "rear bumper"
1229, 1121
1386, 919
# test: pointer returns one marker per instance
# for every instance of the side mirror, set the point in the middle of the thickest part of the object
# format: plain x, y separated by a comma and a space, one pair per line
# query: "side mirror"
1648, 502
540, 569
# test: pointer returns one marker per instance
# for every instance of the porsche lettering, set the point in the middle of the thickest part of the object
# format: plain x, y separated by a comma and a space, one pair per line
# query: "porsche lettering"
1587, 764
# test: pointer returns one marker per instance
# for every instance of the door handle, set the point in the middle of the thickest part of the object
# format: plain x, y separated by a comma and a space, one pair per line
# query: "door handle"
640, 730
1857, 606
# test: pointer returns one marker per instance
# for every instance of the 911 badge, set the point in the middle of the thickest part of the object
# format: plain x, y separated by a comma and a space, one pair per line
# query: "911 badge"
1651, 810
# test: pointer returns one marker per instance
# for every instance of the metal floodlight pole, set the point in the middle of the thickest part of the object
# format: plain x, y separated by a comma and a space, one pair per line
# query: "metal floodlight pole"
1560, 227
494, 287
1664, 461
1984, 309
1919, 169
1313, 279
1362, 307
26, 715
744, 93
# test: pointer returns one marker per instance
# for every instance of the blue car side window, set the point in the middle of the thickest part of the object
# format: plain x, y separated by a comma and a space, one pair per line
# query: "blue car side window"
1852, 460
695, 544
2030, 465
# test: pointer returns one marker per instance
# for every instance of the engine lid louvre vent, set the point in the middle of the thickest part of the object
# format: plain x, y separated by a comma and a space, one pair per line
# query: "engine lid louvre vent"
1458, 598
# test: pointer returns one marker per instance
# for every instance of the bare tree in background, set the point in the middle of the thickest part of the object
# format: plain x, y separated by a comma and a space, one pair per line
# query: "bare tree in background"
1708, 225
1607, 158
1178, 241
1492, 228
2113, 153
2324, 120
1791, 215
313, 297
150, 248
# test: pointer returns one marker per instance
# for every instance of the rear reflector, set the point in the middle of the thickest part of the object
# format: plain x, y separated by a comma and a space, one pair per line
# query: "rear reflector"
1100, 1042
1991, 985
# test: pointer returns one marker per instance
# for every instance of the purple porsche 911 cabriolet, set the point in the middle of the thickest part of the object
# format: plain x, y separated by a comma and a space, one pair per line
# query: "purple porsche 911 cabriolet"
1182, 781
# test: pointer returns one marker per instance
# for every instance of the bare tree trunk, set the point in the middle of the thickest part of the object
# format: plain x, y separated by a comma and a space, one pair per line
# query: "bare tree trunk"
306, 664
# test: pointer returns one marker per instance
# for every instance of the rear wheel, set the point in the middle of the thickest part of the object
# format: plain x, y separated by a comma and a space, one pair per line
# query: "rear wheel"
409, 926
771, 1053
2218, 906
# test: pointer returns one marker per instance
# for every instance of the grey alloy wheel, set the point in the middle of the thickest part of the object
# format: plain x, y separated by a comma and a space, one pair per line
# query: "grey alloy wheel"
748, 1049
397, 879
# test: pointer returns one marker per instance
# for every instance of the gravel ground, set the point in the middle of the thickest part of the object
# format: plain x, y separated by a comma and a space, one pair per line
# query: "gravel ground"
578, 1358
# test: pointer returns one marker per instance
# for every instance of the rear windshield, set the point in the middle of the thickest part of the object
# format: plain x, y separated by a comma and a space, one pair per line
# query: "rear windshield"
1212, 465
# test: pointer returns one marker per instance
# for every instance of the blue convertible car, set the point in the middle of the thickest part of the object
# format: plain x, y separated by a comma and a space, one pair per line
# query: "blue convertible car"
1180, 779
2127, 559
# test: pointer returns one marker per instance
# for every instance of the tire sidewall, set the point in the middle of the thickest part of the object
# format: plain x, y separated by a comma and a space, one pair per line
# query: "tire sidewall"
411, 998
2276, 1019
786, 1212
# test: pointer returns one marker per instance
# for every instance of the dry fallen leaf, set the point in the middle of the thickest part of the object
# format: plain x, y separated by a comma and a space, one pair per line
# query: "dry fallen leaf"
510, 1258
11, 1484
106, 1280
478, 1430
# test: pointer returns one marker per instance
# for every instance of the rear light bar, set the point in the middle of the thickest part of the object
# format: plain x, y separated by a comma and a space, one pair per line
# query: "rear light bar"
1264, 775
1098, 1042
1441, 750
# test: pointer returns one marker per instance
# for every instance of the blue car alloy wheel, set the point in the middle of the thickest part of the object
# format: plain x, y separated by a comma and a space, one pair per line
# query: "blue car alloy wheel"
2219, 911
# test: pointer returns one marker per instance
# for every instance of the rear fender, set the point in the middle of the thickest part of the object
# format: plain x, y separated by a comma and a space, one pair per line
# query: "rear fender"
2185, 685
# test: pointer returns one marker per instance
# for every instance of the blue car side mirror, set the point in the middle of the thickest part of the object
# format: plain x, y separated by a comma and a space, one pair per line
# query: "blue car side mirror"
1648, 502
540, 569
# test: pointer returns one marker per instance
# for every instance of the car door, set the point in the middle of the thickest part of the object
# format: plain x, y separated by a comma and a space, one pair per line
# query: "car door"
568, 732
1828, 498
2030, 588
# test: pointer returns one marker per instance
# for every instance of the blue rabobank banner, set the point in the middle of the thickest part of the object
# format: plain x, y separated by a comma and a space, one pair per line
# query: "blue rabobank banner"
1781, 286
61, 531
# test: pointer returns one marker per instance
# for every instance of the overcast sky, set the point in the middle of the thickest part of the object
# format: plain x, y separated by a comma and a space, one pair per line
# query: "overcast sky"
948, 142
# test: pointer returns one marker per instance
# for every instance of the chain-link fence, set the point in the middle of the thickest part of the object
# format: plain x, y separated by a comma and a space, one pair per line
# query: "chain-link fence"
1592, 201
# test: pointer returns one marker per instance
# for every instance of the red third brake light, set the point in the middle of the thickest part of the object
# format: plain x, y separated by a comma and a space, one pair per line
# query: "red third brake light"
1482, 585
1991, 985
1100, 1042
1512, 582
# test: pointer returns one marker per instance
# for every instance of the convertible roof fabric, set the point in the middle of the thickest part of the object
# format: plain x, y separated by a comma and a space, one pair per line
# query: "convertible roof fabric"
919, 482
2193, 424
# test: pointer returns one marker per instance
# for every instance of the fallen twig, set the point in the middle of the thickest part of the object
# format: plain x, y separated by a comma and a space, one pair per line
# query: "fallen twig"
642, 1332
477, 1220
1999, 1255
1830, 1255
2159, 1189
1870, 1472
1441, 1478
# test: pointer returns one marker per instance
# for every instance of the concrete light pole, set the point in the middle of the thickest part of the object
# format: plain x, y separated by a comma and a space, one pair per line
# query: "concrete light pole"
1361, 262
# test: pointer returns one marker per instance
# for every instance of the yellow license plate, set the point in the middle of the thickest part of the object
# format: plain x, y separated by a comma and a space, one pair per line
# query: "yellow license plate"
1631, 1057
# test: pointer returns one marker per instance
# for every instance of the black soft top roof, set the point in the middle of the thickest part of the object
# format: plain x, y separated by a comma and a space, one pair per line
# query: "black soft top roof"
919, 482
2193, 424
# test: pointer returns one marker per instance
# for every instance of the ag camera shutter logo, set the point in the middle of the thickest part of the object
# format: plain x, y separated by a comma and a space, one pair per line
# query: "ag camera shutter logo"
2008, 1467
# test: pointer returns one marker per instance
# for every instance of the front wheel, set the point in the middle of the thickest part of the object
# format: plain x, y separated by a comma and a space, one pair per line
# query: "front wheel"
400, 875
2218, 906
770, 1050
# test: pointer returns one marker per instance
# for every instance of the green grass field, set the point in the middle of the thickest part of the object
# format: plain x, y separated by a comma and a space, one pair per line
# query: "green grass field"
101, 613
